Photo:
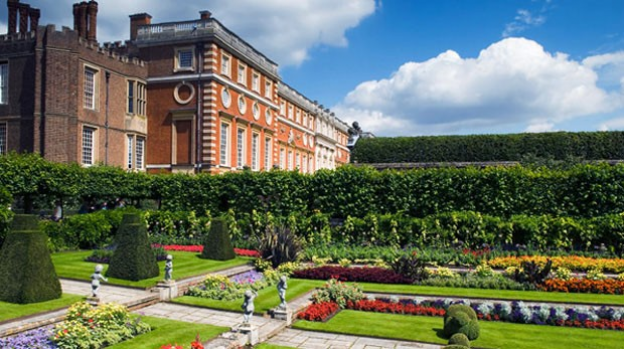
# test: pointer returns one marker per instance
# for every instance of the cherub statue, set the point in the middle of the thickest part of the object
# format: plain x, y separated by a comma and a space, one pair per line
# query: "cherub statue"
168, 267
248, 305
282, 285
95, 280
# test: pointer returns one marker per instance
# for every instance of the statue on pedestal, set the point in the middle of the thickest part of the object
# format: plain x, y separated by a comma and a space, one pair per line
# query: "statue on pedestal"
95, 280
168, 267
282, 285
248, 305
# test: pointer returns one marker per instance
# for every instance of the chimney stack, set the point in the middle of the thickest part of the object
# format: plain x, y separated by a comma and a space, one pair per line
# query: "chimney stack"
35, 14
137, 20
77, 17
23, 17
92, 10
205, 14
12, 22
82, 20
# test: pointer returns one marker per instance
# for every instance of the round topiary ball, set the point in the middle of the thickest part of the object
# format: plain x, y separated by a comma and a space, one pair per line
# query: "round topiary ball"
455, 322
471, 330
460, 308
459, 339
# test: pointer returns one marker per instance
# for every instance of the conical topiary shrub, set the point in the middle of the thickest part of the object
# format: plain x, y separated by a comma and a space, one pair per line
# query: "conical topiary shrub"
218, 245
27, 274
133, 259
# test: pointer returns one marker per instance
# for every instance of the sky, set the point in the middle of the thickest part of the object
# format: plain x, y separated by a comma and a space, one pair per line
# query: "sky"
422, 67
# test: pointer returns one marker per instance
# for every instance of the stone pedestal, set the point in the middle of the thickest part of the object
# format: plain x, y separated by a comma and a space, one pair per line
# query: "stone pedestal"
251, 332
283, 314
168, 290
93, 301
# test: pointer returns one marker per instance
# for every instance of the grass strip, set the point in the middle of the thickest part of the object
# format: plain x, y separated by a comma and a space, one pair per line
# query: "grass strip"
493, 334
186, 264
170, 332
267, 298
14, 311
533, 296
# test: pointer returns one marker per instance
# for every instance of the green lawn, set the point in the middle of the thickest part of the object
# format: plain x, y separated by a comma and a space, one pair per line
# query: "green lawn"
536, 296
493, 334
267, 298
72, 265
170, 332
14, 311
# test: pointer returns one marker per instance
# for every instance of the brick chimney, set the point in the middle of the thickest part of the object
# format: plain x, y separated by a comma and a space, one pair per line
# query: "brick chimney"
35, 14
82, 19
137, 20
23, 17
76, 11
12, 7
205, 14
92, 10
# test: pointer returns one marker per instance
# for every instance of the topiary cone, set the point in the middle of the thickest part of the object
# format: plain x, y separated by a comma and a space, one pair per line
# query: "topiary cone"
133, 259
27, 274
218, 245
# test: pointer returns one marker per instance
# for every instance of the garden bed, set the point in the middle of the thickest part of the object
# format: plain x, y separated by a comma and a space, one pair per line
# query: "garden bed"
493, 334
71, 265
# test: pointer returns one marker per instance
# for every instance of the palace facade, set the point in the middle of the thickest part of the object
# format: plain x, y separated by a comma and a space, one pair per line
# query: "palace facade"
187, 96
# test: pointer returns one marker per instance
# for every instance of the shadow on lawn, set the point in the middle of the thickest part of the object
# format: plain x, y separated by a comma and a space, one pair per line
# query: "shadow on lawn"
440, 333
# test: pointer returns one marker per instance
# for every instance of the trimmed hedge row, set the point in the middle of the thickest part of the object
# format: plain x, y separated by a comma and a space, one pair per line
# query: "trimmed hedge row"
467, 229
581, 191
479, 148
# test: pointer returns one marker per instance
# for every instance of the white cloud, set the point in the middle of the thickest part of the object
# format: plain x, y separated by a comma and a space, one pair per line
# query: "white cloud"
284, 30
613, 124
524, 19
512, 82
540, 127
3, 28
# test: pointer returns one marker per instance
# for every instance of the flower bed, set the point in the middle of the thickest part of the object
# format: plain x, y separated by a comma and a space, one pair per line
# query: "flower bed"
35, 339
381, 306
613, 265
366, 274
200, 248
319, 311
607, 286
220, 287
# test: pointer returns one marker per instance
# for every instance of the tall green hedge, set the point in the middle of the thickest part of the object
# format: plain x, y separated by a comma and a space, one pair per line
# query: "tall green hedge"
218, 245
479, 148
27, 274
581, 191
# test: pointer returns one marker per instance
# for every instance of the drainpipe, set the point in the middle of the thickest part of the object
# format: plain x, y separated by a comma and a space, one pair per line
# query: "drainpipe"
200, 98
106, 121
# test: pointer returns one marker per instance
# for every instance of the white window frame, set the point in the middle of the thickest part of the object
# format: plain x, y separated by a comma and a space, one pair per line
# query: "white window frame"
90, 95
140, 153
130, 151
255, 81
304, 163
178, 63
88, 149
241, 78
283, 108
298, 116
241, 147
4, 83
4, 135
268, 89
226, 64
224, 143
267, 153
298, 161
290, 160
255, 151
282, 158
290, 111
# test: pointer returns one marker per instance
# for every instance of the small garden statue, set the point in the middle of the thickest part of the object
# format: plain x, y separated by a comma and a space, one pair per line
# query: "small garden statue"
95, 280
248, 305
282, 285
168, 267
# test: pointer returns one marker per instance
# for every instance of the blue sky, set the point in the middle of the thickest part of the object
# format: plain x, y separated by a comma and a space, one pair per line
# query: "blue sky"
416, 67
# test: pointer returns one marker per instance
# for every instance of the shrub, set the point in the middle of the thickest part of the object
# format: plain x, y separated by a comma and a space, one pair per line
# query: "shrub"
459, 339
218, 245
460, 308
453, 323
411, 268
133, 259
563, 273
338, 292
471, 330
27, 274
280, 245
531, 272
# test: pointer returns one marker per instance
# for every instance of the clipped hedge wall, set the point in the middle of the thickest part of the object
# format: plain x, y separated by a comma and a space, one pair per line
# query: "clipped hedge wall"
581, 191
27, 274
479, 148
